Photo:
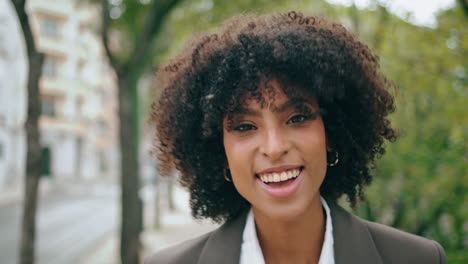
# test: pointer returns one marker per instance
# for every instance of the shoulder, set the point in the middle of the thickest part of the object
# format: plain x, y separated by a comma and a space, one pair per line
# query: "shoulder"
221, 245
368, 242
396, 246
185, 252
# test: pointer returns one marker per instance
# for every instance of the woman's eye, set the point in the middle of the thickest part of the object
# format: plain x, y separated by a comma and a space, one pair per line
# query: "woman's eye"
244, 127
298, 119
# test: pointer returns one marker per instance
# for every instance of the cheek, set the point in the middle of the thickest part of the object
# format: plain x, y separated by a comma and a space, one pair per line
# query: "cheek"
314, 132
239, 154
239, 162
237, 150
313, 145
233, 149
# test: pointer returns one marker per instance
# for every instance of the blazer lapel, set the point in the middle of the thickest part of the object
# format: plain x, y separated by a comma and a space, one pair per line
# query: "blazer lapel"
353, 242
224, 244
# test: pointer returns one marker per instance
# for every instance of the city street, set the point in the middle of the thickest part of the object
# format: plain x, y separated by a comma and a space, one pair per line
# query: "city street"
72, 223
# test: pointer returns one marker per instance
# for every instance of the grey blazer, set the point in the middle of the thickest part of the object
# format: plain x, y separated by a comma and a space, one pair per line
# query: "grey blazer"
355, 241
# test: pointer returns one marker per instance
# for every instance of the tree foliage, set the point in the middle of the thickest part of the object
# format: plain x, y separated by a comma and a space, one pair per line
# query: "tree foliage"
422, 182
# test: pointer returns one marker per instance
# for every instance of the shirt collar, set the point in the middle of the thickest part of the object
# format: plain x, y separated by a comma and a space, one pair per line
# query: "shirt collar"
252, 253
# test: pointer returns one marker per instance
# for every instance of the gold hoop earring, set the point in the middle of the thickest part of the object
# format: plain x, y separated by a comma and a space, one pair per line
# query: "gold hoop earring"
336, 160
225, 172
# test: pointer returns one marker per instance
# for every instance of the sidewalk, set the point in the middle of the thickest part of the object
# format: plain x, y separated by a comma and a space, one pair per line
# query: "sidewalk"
48, 187
176, 227
10, 196
15, 194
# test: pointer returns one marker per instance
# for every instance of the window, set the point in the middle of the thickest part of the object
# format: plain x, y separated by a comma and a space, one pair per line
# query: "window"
102, 124
1, 150
49, 28
50, 67
2, 119
48, 106
102, 162
45, 162
79, 108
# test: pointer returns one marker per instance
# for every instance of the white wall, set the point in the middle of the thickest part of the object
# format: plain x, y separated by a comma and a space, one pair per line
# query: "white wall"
12, 97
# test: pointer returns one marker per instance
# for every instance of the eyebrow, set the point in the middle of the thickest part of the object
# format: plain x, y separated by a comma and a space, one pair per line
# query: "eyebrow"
280, 109
290, 103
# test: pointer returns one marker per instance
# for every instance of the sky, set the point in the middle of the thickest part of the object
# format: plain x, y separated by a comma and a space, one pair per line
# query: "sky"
422, 11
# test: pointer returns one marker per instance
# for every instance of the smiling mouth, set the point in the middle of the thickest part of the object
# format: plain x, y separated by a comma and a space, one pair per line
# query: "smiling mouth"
278, 177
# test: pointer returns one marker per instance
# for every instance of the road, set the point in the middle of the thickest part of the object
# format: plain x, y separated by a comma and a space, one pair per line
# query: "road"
72, 223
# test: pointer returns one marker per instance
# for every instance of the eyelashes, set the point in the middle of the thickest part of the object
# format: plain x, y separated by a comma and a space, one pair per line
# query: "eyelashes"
244, 127
301, 118
296, 119
244, 121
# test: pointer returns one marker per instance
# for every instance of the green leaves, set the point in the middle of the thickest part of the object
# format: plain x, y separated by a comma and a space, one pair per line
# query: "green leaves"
426, 169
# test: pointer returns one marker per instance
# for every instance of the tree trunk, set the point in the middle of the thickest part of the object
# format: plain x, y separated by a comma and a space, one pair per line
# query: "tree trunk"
128, 73
354, 15
464, 6
381, 28
399, 213
31, 184
28, 227
170, 194
157, 202
131, 212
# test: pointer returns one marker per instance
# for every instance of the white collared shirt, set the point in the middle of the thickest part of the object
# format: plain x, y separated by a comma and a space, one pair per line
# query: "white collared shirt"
252, 253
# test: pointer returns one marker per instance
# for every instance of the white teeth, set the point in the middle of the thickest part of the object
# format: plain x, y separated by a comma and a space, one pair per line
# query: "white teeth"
284, 176
294, 173
277, 177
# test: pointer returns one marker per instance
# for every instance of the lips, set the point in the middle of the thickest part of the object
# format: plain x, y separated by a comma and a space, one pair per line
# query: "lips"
281, 184
279, 176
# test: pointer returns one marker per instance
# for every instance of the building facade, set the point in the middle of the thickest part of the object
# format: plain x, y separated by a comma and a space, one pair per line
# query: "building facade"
78, 121
12, 98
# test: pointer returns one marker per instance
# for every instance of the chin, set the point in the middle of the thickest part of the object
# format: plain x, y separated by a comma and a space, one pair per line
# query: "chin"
285, 211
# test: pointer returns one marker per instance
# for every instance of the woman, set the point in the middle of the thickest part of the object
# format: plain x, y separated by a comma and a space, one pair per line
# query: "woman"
269, 122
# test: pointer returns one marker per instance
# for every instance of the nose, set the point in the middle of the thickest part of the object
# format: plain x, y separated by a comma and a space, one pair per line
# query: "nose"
275, 144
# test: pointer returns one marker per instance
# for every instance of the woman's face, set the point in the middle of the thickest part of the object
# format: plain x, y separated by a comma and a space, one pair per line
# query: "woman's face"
277, 154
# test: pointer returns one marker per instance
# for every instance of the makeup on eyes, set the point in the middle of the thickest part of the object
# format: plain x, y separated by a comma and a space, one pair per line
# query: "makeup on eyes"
241, 122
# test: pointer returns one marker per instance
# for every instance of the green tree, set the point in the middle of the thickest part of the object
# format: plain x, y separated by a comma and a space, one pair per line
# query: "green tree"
421, 183
129, 29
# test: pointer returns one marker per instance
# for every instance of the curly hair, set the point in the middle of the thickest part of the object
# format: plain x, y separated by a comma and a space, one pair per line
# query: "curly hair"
209, 78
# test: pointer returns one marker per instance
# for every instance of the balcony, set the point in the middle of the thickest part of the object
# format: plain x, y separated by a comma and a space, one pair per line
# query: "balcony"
58, 8
61, 125
55, 86
54, 46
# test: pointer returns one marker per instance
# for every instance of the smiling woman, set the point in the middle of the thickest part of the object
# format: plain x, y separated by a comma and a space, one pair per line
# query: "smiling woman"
269, 121
277, 153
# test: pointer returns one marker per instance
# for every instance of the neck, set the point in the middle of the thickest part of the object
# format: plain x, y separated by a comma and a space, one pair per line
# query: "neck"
295, 240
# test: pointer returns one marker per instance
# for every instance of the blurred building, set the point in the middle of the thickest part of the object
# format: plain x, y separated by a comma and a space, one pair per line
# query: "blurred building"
78, 91
12, 98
